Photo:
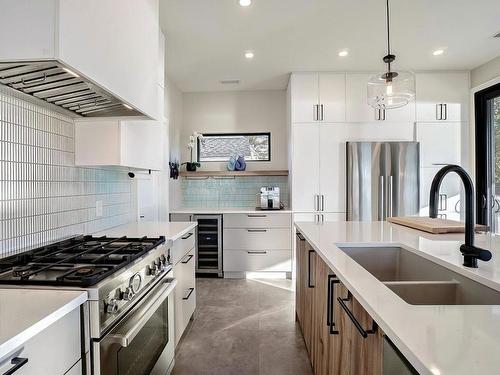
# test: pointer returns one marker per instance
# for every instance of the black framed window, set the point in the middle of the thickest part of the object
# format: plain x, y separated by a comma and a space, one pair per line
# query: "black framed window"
221, 146
487, 116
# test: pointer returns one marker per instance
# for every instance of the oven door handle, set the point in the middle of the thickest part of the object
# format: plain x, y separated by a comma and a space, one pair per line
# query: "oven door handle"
134, 326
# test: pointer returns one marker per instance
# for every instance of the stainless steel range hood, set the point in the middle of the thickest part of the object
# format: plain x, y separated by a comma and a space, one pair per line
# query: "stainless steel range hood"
54, 83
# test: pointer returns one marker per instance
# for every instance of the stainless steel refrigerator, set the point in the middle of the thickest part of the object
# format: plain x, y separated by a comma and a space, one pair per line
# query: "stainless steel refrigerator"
383, 179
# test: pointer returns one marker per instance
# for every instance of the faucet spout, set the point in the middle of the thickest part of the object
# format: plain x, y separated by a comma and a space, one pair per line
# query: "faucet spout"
470, 252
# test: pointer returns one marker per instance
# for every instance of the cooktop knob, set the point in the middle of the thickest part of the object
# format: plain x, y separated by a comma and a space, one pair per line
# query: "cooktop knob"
112, 306
151, 270
127, 294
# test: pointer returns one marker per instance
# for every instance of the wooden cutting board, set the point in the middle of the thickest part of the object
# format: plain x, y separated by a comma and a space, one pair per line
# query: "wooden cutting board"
435, 226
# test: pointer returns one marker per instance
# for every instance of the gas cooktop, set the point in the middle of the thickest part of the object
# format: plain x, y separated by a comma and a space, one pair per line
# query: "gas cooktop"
80, 261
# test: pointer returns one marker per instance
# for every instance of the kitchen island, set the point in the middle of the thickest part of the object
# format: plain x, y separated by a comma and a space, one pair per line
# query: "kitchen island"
435, 339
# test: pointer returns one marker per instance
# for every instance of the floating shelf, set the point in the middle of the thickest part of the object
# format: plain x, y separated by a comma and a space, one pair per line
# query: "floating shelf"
232, 173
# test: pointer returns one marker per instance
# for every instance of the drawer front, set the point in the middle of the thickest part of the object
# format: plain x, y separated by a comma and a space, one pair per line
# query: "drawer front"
182, 246
185, 292
53, 351
258, 220
257, 261
257, 239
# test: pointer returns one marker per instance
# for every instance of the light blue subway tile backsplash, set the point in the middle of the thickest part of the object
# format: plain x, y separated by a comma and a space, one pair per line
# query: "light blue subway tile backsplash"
237, 192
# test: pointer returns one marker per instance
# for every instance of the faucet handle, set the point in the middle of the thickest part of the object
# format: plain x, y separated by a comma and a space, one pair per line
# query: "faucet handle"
472, 254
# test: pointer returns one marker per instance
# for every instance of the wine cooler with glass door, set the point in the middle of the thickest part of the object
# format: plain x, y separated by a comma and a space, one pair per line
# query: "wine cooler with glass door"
209, 244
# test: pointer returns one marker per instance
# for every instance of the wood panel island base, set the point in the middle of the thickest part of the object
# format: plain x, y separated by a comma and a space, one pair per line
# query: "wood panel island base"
340, 336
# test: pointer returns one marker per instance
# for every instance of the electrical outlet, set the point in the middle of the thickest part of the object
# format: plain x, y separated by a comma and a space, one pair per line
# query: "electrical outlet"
98, 208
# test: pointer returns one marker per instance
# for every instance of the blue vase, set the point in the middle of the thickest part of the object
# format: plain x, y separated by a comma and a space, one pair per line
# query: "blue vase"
231, 164
241, 165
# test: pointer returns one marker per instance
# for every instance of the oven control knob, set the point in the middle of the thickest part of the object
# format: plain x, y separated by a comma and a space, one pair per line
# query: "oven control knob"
112, 306
127, 294
163, 260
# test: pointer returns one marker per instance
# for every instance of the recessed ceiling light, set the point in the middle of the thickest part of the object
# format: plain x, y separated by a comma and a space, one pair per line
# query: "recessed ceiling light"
245, 3
230, 81
343, 53
71, 72
127, 106
438, 52
249, 55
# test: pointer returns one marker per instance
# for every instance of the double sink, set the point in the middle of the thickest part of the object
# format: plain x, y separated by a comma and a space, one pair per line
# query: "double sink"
419, 281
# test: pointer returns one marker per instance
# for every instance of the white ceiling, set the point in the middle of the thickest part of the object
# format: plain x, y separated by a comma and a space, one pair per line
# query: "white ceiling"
206, 39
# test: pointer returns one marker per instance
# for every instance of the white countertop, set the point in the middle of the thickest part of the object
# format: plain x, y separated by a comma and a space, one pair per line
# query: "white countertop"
171, 230
437, 340
227, 211
26, 312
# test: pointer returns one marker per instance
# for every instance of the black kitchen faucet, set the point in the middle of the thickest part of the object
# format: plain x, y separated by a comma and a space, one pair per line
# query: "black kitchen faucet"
470, 252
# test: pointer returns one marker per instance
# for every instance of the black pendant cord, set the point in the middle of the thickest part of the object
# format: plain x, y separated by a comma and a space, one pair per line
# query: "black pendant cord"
388, 36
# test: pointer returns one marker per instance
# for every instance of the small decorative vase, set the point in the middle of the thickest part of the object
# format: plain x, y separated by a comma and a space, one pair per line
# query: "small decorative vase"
231, 164
241, 165
191, 167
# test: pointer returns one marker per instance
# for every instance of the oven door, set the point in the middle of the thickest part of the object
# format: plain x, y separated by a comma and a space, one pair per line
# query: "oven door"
143, 342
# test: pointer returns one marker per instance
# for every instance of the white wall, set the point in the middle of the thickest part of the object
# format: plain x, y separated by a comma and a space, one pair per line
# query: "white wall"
237, 111
174, 114
485, 72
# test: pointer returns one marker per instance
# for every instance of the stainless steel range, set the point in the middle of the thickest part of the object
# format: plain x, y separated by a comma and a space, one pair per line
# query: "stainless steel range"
129, 283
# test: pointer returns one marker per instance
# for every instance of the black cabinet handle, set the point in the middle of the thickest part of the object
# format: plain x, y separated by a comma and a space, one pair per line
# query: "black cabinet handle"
188, 259
332, 279
191, 290
256, 230
18, 362
364, 333
300, 236
187, 236
309, 284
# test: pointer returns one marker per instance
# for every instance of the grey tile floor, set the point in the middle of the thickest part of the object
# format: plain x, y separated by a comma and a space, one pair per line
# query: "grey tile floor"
243, 327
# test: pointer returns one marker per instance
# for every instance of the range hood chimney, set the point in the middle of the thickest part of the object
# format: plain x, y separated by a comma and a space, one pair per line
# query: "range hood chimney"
55, 83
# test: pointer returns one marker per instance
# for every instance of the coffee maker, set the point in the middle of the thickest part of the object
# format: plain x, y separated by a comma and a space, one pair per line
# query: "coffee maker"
270, 198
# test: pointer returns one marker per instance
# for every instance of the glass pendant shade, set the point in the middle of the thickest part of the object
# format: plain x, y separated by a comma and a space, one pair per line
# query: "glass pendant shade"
395, 92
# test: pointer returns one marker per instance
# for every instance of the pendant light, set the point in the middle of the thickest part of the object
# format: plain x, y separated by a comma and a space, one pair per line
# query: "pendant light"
390, 89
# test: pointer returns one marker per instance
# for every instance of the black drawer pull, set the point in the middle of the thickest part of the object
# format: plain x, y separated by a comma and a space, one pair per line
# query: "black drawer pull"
364, 333
332, 279
18, 362
256, 215
309, 284
188, 259
300, 236
191, 290
256, 230
187, 236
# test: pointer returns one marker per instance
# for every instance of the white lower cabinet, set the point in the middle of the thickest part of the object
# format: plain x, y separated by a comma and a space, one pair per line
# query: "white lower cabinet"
54, 351
185, 291
257, 242
257, 260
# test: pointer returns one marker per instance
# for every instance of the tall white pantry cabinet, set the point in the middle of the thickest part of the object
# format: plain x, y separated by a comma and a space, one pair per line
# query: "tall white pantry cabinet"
325, 110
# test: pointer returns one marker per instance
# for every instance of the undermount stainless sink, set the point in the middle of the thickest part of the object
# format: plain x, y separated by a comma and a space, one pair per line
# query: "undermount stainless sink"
419, 281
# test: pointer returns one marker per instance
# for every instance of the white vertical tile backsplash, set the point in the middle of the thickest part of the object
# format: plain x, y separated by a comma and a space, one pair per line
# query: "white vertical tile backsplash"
43, 196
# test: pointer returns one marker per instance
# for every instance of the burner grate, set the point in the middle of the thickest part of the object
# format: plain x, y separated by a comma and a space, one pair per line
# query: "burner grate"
79, 261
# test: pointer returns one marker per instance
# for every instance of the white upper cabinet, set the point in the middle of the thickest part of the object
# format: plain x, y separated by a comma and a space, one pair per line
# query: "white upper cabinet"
358, 109
439, 143
318, 97
305, 161
127, 143
442, 96
161, 60
113, 44
332, 97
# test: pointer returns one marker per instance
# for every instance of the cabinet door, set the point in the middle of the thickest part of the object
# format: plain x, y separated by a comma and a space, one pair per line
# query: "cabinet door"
357, 108
305, 97
305, 164
439, 143
321, 333
332, 97
332, 167
366, 352
300, 248
402, 114
449, 88
338, 341
307, 258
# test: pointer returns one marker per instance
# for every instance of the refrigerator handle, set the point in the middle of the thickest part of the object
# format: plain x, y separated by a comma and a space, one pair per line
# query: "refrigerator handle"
390, 196
381, 199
